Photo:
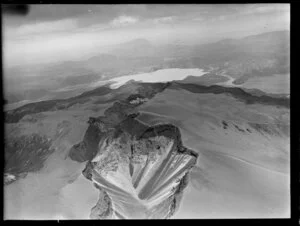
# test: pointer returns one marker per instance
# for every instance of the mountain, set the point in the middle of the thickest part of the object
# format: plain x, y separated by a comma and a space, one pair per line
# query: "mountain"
140, 172
180, 149
143, 183
215, 143
279, 40
259, 55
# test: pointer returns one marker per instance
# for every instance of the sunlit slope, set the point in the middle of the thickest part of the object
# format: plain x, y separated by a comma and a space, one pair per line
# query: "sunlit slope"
243, 169
225, 187
254, 132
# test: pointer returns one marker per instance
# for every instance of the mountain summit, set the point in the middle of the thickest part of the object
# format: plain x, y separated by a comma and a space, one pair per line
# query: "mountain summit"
140, 171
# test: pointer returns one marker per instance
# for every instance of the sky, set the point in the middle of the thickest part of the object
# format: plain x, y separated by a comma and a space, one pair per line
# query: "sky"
53, 33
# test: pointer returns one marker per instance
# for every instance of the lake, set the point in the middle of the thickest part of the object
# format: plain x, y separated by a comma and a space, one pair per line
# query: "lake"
163, 75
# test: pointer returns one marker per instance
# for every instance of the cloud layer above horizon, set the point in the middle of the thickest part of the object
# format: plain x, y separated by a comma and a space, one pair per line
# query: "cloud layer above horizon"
52, 33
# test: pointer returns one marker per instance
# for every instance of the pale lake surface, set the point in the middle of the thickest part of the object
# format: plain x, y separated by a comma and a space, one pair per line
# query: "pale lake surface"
163, 75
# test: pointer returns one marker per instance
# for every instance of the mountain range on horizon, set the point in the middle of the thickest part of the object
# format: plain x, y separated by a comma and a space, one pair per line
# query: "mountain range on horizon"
256, 55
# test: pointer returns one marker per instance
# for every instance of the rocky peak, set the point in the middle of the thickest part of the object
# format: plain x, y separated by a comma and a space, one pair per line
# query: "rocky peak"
139, 170
143, 175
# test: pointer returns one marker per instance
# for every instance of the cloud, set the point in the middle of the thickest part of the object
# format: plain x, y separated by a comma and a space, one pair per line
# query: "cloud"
222, 17
198, 19
251, 10
266, 8
168, 19
73, 39
123, 21
42, 27
274, 8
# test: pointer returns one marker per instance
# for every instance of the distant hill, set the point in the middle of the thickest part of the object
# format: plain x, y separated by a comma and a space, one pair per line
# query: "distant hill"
257, 55
265, 53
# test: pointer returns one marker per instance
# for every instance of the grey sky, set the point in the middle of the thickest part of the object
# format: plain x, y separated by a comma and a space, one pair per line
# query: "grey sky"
62, 32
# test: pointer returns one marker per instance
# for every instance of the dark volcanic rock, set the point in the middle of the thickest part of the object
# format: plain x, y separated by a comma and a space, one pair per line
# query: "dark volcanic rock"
79, 152
87, 149
133, 126
119, 112
26, 153
268, 129
120, 115
225, 125
144, 91
236, 92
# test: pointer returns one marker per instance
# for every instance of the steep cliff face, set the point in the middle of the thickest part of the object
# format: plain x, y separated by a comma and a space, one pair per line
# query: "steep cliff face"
100, 128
